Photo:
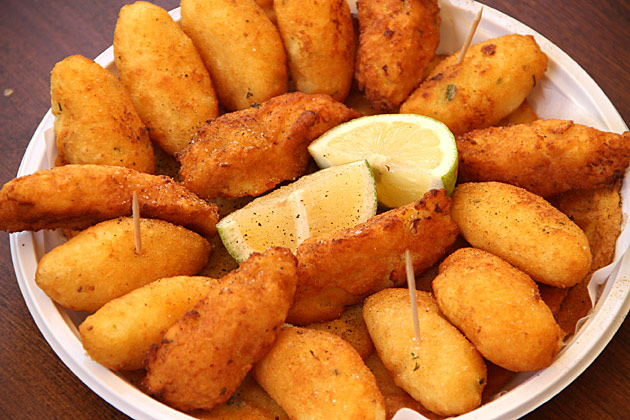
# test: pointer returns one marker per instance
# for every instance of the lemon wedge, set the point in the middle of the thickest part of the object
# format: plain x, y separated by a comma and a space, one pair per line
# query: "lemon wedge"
330, 199
409, 154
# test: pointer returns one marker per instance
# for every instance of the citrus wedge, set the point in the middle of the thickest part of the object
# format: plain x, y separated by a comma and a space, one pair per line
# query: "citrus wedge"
327, 200
409, 154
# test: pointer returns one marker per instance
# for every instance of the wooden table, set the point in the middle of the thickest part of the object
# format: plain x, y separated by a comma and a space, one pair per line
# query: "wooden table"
34, 35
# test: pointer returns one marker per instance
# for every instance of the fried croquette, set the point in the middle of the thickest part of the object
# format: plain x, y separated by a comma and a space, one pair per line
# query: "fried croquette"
351, 327
492, 81
95, 119
341, 268
524, 114
78, 196
397, 41
206, 354
166, 78
121, 332
316, 375
443, 371
546, 157
523, 229
251, 151
241, 48
499, 309
319, 40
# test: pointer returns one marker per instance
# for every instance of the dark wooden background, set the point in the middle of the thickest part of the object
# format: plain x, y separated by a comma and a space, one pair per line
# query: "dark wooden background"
34, 35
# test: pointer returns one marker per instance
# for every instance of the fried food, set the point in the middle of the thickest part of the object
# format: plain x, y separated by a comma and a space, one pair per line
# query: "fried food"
95, 120
443, 371
397, 41
351, 327
251, 151
524, 114
319, 40
395, 397
499, 309
241, 48
523, 229
317, 375
249, 402
492, 81
341, 268
78, 196
267, 6
205, 355
101, 263
546, 157
168, 82
220, 262
121, 332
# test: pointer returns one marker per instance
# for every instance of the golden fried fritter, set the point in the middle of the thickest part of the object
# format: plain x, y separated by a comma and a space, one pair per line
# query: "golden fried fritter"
499, 309
319, 39
492, 81
205, 355
251, 151
524, 114
319, 376
77, 196
241, 48
166, 78
95, 119
101, 262
396, 43
546, 157
341, 268
523, 229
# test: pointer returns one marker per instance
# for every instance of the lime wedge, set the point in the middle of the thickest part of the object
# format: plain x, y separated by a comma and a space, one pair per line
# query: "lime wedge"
409, 154
327, 200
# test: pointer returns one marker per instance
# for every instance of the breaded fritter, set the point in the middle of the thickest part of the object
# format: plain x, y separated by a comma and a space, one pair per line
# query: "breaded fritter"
523, 229
166, 78
524, 114
205, 355
241, 48
499, 309
397, 41
101, 262
251, 151
443, 370
317, 375
77, 196
319, 39
95, 119
492, 81
546, 157
341, 268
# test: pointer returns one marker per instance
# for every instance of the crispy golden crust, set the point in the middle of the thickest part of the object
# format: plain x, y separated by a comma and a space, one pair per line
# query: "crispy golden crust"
443, 371
396, 43
319, 39
101, 263
77, 196
166, 78
351, 327
249, 402
121, 332
499, 309
343, 267
546, 157
251, 151
205, 356
317, 375
246, 72
95, 120
524, 114
492, 81
523, 229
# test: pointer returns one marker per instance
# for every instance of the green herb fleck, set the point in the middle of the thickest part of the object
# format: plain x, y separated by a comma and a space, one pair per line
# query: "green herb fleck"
416, 367
450, 92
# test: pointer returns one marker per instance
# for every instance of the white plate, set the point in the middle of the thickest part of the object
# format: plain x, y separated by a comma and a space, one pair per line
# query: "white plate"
565, 92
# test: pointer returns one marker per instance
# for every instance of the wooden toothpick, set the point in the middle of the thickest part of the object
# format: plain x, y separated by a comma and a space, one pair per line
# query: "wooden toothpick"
470, 35
411, 283
135, 210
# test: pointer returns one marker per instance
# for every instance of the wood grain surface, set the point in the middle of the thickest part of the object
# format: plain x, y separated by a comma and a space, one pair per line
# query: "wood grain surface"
34, 35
